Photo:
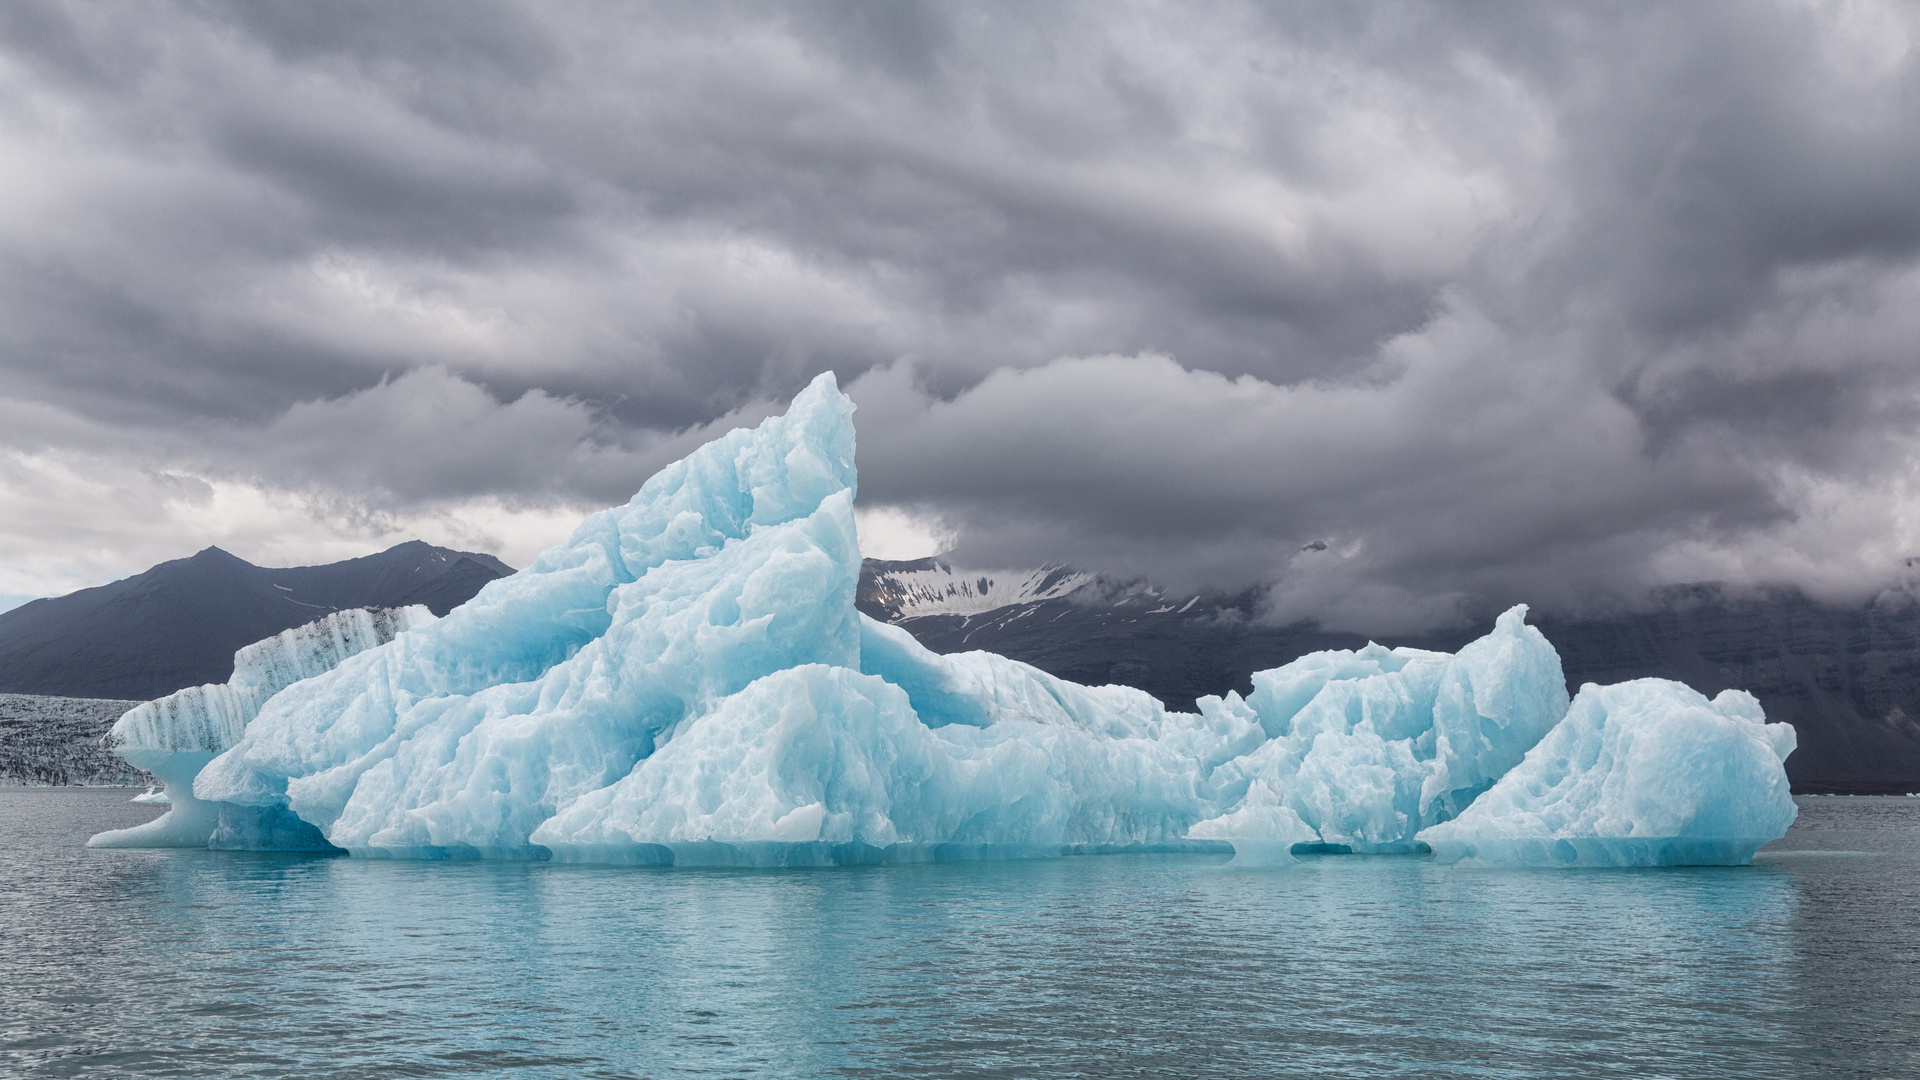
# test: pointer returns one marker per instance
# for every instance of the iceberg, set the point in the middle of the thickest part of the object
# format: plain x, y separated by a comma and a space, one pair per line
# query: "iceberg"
685, 681
1641, 773
174, 737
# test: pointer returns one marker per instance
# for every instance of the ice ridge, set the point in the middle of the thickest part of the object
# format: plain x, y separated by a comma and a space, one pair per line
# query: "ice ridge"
174, 737
686, 681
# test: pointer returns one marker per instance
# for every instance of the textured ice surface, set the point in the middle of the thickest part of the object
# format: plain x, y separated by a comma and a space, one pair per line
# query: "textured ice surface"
686, 681
1004, 760
1642, 773
463, 737
1367, 747
175, 736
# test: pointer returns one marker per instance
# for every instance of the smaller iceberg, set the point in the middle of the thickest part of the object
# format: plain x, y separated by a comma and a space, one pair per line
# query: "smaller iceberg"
174, 737
1641, 773
1366, 747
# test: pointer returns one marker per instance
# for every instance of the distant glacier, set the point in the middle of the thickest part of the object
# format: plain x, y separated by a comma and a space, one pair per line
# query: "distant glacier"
687, 681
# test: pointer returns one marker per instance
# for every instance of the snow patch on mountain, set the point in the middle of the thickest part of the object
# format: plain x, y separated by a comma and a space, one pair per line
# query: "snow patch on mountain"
909, 590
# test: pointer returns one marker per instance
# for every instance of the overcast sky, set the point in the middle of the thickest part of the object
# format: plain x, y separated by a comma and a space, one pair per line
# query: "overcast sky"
1495, 302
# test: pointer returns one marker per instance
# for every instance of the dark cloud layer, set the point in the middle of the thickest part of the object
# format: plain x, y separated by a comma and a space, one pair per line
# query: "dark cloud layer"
1494, 301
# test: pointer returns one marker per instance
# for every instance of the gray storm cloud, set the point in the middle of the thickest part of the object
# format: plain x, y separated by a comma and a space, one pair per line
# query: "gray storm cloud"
1516, 303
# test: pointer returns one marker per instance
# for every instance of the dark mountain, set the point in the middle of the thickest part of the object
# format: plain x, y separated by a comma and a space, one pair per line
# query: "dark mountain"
455, 585
1846, 678
179, 623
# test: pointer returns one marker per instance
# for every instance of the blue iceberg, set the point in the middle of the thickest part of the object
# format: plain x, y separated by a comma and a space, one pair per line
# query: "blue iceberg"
1641, 773
686, 681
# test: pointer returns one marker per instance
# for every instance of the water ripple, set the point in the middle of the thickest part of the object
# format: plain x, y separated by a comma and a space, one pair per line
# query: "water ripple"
193, 963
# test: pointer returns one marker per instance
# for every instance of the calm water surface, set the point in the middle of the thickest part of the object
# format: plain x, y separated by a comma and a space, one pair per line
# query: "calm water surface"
205, 964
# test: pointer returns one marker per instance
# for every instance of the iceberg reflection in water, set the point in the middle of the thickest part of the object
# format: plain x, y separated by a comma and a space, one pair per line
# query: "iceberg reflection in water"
196, 963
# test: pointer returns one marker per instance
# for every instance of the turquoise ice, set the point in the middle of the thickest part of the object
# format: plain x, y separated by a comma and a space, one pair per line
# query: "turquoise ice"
1365, 748
463, 737
1642, 773
174, 737
686, 681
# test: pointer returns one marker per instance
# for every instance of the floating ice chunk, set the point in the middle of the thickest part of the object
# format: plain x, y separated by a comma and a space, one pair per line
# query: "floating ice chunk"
175, 736
1369, 746
1642, 773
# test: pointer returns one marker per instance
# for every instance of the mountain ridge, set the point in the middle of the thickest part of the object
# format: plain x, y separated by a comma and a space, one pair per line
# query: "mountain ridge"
179, 623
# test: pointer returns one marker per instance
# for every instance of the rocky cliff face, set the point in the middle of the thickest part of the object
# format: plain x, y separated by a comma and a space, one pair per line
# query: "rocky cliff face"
55, 742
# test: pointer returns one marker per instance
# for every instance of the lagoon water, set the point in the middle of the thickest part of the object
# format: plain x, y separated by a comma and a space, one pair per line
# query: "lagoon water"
203, 964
